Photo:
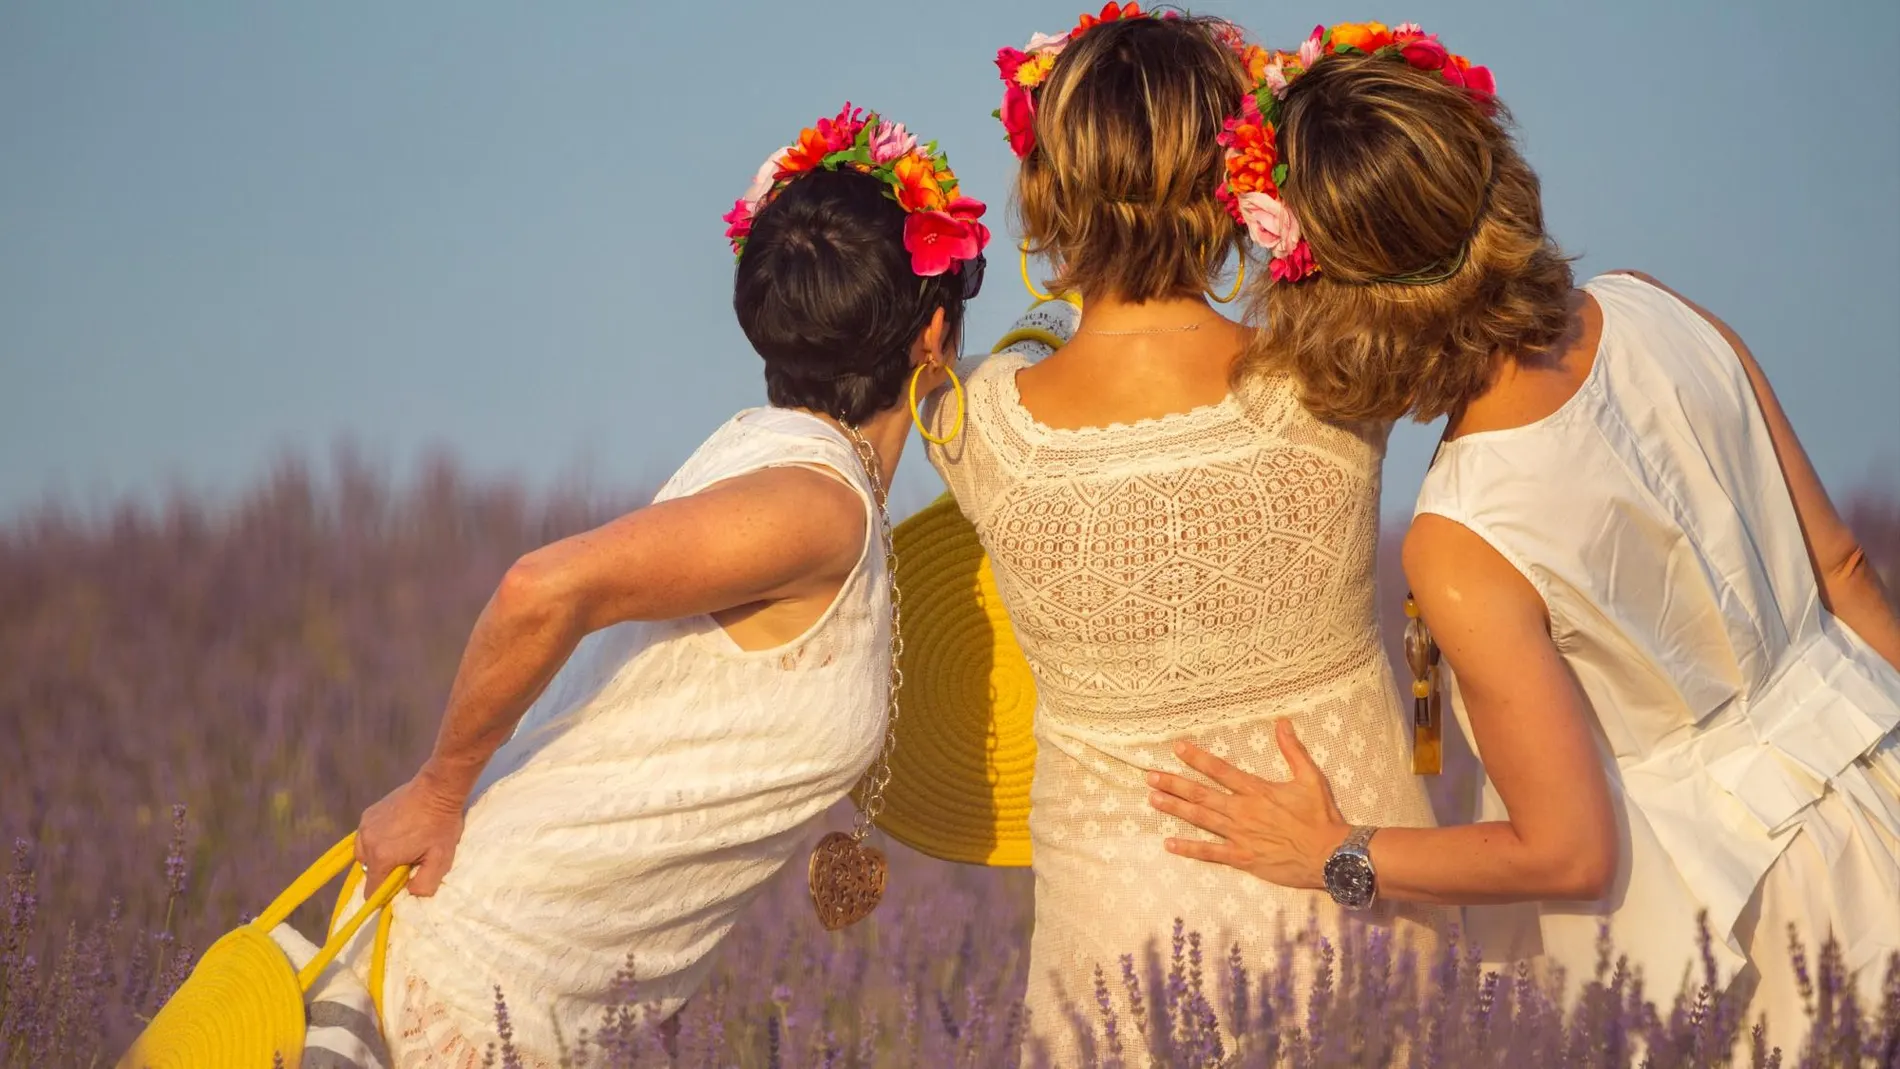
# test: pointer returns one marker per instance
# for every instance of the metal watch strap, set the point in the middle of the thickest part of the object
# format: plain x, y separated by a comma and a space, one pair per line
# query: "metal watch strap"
1352, 853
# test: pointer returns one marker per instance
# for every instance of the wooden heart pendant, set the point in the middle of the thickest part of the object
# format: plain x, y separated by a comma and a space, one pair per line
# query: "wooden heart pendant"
847, 880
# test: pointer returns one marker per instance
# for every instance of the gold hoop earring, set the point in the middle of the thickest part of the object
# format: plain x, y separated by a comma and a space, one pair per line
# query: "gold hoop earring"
917, 416
1029, 283
1240, 279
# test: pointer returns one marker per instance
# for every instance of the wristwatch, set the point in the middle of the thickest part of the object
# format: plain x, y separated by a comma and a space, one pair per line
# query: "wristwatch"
1349, 876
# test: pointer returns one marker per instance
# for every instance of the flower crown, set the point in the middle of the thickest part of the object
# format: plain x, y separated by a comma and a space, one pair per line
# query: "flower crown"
941, 234
1255, 171
1025, 69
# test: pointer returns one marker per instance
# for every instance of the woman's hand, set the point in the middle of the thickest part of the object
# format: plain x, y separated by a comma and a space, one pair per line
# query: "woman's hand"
419, 824
1281, 832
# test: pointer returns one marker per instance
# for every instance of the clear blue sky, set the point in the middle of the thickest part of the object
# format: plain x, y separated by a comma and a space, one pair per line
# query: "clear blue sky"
228, 230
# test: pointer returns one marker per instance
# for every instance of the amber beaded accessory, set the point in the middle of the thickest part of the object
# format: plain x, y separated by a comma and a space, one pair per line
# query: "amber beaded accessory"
1428, 723
847, 877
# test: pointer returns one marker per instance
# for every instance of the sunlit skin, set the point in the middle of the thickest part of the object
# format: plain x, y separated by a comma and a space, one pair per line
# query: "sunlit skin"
1102, 378
1528, 716
764, 554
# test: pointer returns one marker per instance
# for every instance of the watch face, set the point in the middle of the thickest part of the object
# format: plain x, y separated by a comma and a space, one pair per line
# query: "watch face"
1349, 880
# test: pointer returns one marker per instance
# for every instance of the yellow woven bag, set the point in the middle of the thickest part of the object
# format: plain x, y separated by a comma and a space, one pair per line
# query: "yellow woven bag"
243, 1006
965, 753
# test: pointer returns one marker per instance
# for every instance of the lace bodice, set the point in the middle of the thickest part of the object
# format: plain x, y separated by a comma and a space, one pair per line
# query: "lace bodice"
1189, 577
1160, 572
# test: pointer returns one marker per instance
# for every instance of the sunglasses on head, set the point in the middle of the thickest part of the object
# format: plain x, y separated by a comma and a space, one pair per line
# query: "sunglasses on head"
972, 272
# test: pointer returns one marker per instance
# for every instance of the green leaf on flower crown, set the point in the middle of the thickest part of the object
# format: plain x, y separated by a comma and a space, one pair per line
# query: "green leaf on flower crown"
997, 114
844, 156
1279, 174
1348, 50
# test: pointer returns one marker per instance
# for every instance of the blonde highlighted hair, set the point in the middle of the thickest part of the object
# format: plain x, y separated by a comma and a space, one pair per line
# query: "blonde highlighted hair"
1428, 228
1120, 187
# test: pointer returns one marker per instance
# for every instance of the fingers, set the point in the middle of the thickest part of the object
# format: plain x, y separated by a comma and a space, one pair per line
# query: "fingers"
1189, 791
374, 875
426, 878
1218, 770
1297, 759
1218, 853
366, 859
1200, 816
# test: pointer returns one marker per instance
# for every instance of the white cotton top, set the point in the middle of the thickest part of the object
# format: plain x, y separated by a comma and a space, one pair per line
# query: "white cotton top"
1736, 716
663, 777
1192, 577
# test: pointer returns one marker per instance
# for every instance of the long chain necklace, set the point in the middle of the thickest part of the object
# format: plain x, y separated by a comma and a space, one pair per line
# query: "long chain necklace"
848, 877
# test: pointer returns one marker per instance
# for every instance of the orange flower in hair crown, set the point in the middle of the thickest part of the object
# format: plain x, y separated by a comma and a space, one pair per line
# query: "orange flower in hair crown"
944, 229
1024, 69
1255, 172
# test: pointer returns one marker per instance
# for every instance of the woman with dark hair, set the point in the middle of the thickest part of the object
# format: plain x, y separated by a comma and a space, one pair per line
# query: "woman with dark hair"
1670, 654
1179, 560
652, 717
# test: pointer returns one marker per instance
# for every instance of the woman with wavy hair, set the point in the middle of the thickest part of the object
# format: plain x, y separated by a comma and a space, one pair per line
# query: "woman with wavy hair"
1669, 652
1180, 560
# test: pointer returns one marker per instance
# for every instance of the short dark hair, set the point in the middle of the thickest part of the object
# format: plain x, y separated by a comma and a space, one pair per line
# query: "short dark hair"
826, 294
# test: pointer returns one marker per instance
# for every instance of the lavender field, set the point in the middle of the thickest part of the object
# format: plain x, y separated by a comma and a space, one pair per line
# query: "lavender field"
197, 699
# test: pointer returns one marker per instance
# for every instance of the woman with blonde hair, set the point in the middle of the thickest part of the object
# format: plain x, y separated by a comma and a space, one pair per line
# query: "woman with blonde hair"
1669, 652
1180, 561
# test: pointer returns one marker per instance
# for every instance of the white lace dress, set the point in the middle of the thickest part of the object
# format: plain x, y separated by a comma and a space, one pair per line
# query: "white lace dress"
662, 779
1190, 577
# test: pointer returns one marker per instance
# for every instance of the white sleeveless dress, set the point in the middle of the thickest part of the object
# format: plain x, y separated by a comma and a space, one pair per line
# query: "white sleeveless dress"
1191, 577
662, 779
1750, 737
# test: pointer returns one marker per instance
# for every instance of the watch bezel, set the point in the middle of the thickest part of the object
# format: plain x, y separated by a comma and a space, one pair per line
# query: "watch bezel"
1350, 878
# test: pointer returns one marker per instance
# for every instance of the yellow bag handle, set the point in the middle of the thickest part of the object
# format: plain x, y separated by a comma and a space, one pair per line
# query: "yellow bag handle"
379, 949
339, 859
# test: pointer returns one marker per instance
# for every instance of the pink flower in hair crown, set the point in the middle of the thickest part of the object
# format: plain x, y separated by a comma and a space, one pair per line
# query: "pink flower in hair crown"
1255, 171
1294, 266
1310, 48
1269, 223
890, 140
943, 241
943, 230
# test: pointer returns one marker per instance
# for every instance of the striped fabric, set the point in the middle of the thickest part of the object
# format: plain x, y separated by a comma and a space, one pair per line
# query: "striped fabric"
342, 1031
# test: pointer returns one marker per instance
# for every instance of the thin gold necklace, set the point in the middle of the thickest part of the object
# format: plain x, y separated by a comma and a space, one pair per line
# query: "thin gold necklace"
1141, 330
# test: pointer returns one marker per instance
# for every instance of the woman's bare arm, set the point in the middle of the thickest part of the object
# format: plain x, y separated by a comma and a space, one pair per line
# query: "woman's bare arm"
1530, 719
1851, 588
771, 535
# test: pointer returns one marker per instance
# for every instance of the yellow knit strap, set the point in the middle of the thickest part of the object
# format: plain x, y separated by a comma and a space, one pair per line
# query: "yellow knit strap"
338, 859
379, 948
1022, 334
340, 938
327, 868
